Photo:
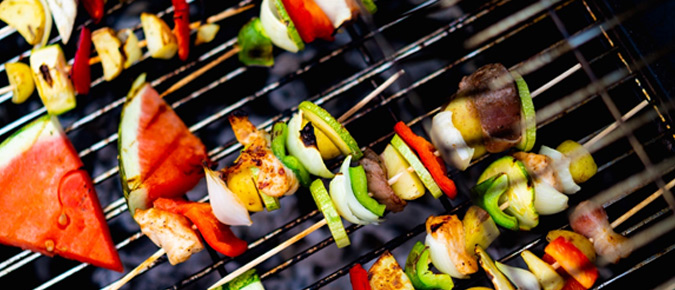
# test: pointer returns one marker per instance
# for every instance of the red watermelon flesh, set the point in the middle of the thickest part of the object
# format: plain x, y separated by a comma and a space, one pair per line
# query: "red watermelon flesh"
48, 203
159, 157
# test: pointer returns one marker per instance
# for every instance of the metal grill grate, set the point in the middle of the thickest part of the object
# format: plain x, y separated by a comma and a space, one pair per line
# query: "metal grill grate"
582, 62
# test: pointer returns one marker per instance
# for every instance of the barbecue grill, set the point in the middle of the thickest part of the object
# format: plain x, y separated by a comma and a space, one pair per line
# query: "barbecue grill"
587, 63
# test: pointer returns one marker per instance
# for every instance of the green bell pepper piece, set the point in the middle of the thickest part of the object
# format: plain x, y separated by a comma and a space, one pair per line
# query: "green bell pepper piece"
417, 269
359, 182
279, 133
486, 195
255, 47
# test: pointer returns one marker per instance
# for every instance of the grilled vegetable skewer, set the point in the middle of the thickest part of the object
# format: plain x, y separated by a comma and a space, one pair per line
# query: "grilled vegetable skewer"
116, 51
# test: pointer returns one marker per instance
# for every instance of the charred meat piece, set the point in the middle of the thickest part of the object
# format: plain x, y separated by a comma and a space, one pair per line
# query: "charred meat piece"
274, 179
499, 109
378, 184
590, 220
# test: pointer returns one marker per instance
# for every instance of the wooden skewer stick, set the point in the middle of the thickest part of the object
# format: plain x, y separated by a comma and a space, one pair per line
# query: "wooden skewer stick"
139, 269
194, 25
200, 71
641, 205
269, 254
370, 96
6, 89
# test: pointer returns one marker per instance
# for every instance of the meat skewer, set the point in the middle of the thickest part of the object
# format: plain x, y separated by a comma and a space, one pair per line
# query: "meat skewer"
148, 262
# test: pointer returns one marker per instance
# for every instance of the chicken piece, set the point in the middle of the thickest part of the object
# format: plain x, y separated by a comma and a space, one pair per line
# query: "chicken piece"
274, 179
541, 166
171, 232
245, 132
499, 109
590, 220
378, 184
449, 230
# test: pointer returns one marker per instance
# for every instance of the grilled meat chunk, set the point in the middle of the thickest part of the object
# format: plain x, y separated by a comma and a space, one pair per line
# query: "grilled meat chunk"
274, 179
378, 184
499, 109
542, 167
171, 232
590, 220
449, 230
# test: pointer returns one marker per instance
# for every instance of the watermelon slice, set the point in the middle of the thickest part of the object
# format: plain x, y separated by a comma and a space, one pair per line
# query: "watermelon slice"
159, 156
48, 203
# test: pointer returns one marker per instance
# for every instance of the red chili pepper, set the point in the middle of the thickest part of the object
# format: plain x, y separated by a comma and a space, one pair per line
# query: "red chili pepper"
94, 8
359, 278
218, 235
573, 261
425, 151
80, 74
309, 19
181, 19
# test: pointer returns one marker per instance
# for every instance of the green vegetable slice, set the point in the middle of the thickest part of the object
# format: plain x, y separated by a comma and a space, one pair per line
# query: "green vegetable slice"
360, 187
369, 5
271, 203
279, 134
325, 205
527, 115
417, 269
520, 193
255, 46
487, 195
247, 281
417, 165
332, 128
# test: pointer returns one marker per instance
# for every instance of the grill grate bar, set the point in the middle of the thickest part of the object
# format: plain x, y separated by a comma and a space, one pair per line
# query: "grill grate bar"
609, 103
637, 267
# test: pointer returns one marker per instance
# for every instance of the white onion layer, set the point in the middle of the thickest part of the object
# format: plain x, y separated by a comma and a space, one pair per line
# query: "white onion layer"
548, 200
441, 258
227, 208
449, 142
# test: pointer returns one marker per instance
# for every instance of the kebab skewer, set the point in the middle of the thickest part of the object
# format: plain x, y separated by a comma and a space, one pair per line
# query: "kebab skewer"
117, 51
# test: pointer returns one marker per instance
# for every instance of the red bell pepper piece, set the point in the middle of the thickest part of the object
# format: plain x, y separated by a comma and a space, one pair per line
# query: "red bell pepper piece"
80, 74
95, 9
181, 19
573, 261
309, 19
359, 278
218, 235
425, 151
